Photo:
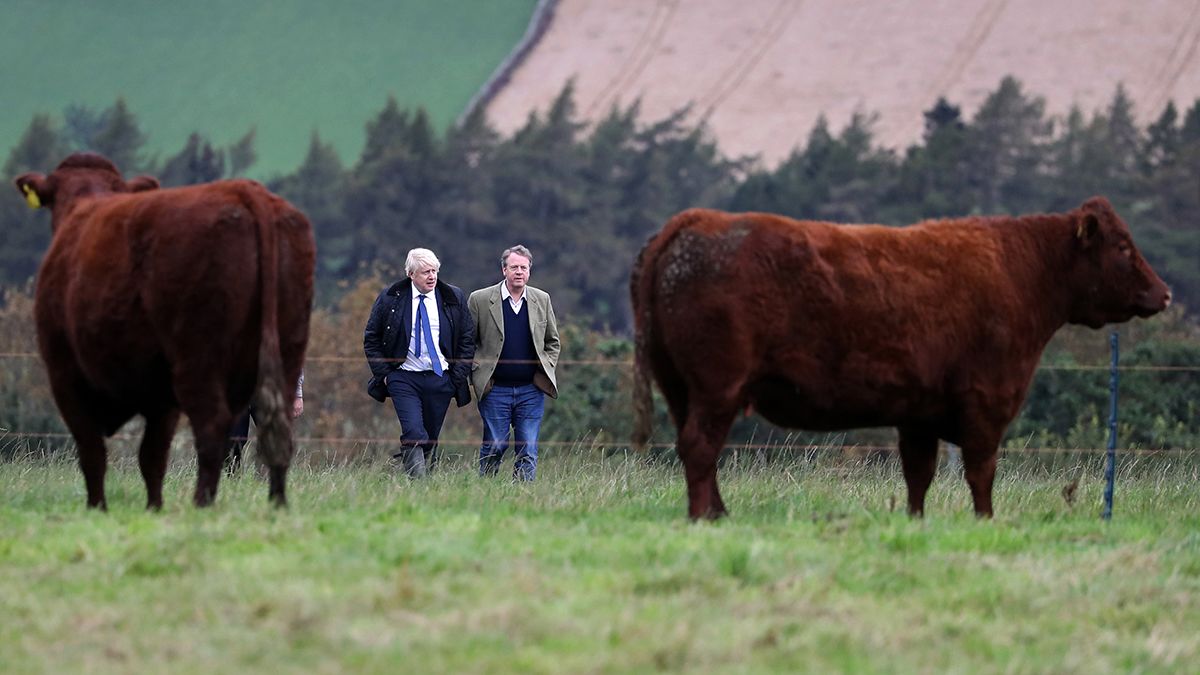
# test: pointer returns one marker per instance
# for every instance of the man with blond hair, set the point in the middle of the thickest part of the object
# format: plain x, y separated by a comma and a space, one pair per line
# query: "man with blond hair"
419, 342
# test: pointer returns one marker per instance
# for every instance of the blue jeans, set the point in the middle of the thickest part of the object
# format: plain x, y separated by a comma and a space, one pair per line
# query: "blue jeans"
518, 408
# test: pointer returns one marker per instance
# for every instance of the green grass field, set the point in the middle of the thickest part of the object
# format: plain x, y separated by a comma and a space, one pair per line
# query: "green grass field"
220, 67
595, 569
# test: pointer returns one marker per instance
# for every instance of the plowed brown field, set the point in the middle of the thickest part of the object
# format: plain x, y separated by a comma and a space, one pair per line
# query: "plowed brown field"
762, 71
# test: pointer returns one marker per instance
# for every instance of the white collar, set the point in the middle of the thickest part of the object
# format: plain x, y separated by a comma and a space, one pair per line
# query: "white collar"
505, 294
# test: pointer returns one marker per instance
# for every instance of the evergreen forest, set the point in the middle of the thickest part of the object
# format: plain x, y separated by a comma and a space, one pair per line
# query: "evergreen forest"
585, 197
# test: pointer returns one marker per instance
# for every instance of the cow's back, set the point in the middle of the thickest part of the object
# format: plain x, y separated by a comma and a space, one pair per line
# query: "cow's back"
137, 282
827, 326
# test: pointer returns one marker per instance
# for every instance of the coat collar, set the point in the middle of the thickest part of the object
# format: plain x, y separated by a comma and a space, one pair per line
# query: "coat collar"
497, 306
496, 300
496, 293
403, 290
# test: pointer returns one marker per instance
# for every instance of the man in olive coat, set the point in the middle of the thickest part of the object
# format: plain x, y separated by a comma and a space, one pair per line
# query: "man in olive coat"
516, 351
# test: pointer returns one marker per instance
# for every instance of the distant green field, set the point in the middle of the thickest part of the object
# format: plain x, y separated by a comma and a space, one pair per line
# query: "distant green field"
220, 67
594, 568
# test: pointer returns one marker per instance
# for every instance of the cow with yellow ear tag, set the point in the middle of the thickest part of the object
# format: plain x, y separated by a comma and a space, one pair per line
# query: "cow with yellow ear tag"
152, 302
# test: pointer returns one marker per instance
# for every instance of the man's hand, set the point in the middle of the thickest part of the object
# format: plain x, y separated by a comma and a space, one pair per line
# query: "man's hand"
297, 407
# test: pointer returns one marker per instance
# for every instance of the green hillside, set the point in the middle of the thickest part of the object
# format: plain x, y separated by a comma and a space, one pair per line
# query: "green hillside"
221, 67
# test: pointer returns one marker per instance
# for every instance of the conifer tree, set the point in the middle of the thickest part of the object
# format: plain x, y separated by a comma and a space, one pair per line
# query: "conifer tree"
387, 193
461, 176
385, 133
197, 162
1069, 164
1006, 150
121, 139
317, 188
25, 234
241, 154
932, 180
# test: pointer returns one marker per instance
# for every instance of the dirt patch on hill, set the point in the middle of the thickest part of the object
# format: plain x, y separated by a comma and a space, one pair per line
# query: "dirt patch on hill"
762, 71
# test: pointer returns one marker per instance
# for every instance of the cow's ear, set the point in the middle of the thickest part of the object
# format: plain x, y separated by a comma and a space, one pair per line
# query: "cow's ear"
1087, 229
142, 183
33, 187
1093, 215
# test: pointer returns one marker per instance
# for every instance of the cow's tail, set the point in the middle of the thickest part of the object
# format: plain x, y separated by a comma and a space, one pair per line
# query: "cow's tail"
271, 395
643, 402
645, 303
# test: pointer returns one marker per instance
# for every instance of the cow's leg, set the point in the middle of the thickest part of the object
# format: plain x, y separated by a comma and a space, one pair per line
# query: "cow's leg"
918, 457
982, 427
93, 461
979, 468
204, 402
211, 438
717, 504
152, 456
78, 405
677, 404
979, 448
699, 446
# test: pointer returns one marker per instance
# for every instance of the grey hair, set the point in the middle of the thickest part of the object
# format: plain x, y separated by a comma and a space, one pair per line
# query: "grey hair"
520, 250
420, 257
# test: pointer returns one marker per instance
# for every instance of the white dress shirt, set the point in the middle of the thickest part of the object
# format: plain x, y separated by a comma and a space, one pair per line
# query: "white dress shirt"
508, 297
424, 362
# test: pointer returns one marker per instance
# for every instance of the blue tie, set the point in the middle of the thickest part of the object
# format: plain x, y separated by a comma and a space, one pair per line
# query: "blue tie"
427, 335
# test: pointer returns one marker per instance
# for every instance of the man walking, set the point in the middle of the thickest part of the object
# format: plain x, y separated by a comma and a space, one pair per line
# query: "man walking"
516, 351
239, 433
419, 342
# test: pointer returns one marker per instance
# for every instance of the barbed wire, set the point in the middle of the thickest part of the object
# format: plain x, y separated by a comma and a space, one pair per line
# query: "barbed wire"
628, 363
619, 445
15, 436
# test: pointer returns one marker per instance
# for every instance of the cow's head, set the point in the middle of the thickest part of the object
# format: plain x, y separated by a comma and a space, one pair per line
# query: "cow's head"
1113, 282
83, 174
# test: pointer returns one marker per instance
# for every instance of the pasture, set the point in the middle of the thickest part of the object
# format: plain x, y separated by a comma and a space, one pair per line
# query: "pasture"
594, 568
285, 69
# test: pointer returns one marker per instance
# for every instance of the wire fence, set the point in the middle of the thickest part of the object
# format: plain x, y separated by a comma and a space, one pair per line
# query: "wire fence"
628, 363
345, 422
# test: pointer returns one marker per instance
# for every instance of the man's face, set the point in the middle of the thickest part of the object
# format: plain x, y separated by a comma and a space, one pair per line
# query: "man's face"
424, 278
516, 273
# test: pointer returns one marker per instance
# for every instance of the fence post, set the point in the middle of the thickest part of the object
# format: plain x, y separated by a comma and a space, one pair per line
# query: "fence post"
1110, 468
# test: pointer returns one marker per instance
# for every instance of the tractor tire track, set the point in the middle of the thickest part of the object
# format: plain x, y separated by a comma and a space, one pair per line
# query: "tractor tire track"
647, 45
967, 48
760, 43
1172, 69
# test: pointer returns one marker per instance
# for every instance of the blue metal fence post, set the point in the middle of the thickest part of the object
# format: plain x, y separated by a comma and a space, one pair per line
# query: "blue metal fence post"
1110, 468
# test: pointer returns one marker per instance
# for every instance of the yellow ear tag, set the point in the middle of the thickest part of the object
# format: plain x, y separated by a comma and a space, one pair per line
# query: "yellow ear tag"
31, 198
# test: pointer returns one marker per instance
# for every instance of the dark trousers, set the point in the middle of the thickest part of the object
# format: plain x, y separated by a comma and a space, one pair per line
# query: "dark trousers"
239, 435
421, 400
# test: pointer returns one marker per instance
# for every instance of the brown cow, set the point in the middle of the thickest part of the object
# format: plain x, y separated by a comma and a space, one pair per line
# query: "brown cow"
152, 302
934, 329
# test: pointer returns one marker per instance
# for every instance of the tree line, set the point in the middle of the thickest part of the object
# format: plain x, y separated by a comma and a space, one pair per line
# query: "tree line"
585, 197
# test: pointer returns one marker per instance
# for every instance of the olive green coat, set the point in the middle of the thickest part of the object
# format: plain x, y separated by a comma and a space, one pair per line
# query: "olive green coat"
488, 312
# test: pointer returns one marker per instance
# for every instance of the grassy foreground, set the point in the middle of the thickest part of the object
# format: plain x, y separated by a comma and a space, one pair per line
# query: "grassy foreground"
595, 569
